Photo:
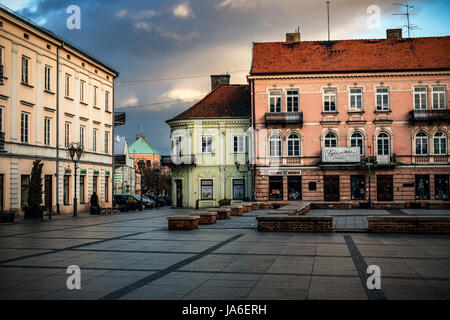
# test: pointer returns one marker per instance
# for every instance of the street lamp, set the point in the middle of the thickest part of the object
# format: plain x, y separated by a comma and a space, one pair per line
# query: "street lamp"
75, 152
141, 165
157, 173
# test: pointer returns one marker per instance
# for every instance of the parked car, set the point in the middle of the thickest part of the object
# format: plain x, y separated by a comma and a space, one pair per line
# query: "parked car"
147, 199
126, 202
146, 202
159, 200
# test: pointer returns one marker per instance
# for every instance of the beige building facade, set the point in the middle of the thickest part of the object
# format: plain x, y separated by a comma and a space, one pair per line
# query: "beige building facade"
52, 94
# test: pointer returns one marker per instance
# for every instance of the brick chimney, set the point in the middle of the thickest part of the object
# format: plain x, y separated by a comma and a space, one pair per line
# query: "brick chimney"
219, 79
293, 37
137, 136
393, 33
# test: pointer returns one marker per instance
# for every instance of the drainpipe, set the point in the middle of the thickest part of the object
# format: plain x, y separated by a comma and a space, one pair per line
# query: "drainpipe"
57, 130
252, 84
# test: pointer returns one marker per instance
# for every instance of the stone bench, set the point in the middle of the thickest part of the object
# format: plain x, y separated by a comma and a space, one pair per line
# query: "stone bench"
247, 207
296, 209
285, 223
331, 205
379, 205
265, 206
205, 217
223, 213
409, 224
236, 209
183, 222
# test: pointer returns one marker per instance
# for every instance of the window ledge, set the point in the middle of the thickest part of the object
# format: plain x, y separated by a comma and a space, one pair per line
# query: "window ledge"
68, 98
27, 85
84, 103
108, 111
95, 107
48, 91
330, 112
382, 111
355, 111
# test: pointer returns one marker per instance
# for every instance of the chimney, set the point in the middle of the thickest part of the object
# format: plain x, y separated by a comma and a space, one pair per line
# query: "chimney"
145, 138
219, 79
393, 33
293, 37
137, 136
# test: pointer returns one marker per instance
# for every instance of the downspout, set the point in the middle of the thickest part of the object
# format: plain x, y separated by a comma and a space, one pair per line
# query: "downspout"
57, 129
112, 148
252, 82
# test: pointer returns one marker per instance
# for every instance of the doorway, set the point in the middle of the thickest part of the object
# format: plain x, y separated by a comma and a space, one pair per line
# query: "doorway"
179, 186
275, 188
331, 188
385, 190
48, 193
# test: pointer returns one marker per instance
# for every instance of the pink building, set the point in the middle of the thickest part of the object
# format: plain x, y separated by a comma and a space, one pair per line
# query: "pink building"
325, 111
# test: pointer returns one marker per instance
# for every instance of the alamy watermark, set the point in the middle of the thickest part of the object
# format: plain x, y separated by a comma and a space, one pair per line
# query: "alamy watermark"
374, 280
74, 20
74, 280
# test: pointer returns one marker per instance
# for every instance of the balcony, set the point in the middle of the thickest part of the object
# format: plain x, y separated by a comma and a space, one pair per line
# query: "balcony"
433, 159
385, 160
283, 161
284, 118
429, 115
1, 74
119, 119
186, 160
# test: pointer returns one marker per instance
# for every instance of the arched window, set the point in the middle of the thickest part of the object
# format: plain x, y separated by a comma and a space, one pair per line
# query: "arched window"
383, 144
275, 146
357, 140
330, 140
440, 143
293, 145
421, 143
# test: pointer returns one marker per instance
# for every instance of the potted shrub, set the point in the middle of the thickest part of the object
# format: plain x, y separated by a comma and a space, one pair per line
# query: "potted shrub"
224, 202
34, 208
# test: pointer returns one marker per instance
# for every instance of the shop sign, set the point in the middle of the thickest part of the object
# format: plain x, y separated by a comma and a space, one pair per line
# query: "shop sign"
340, 154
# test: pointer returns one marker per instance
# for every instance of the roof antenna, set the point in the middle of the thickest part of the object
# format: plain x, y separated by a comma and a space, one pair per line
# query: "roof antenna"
408, 25
328, 18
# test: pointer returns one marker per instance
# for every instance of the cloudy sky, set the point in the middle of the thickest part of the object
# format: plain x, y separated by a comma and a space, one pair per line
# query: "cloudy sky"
176, 44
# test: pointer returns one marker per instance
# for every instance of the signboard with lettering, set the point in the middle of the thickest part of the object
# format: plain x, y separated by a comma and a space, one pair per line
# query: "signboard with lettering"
118, 177
340, 154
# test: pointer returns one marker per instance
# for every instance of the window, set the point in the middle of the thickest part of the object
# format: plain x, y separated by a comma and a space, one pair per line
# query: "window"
66, 187
24, 127
275, 188
292, 100
294, 188
383, 147
82, 178
178, 146
82, 83
1, 119
25, 70
238, 189
106, 100
275, 146
441, 186
94, 184
47, 122
206, 144
330, 140
329, 100
358, 187
421, 143
238, 144
357, 140
356, 95
293, 145
439, 101
420, 98
2, 65
24, 184
106, 142
440, 143
106, 189
67, 87
95, 96
94, 140
206, 189
382, 99
275, 100
82, 130
47, 81
67, 134
148, 163
422, 187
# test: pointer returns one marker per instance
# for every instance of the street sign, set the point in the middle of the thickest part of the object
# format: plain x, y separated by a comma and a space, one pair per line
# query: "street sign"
118, 177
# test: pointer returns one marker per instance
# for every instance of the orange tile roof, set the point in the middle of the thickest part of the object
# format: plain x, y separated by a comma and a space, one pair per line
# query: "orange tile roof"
428, 53
225, 101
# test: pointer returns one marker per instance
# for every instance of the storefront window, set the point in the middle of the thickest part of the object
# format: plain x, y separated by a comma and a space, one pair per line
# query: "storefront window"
106, 189
295, 188
94, 184
82, 189
238, 189
207, 189
441, 186
358, 187
422, 187
24, 183
1, 192
276, 188
66, 190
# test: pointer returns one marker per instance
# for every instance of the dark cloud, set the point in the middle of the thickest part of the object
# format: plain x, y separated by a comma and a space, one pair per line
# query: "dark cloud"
144, 39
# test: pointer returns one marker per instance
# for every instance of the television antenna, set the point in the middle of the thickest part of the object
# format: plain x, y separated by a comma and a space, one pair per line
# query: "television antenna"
408, 25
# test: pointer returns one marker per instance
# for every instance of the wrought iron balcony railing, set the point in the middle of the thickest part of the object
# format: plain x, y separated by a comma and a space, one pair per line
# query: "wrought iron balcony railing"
187, 160
119, 119
284, 117
431, 115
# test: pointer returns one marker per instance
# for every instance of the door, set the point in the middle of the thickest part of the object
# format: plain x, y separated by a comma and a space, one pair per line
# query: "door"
276, 188
48, 193
385, 190
179, 186
331, 188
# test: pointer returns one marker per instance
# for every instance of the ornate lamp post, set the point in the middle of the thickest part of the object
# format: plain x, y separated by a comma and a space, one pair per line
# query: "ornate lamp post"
141, 166
75, 152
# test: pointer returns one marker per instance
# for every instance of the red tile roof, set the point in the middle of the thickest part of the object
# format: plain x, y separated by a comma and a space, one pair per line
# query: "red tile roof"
430, 53
225, 101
